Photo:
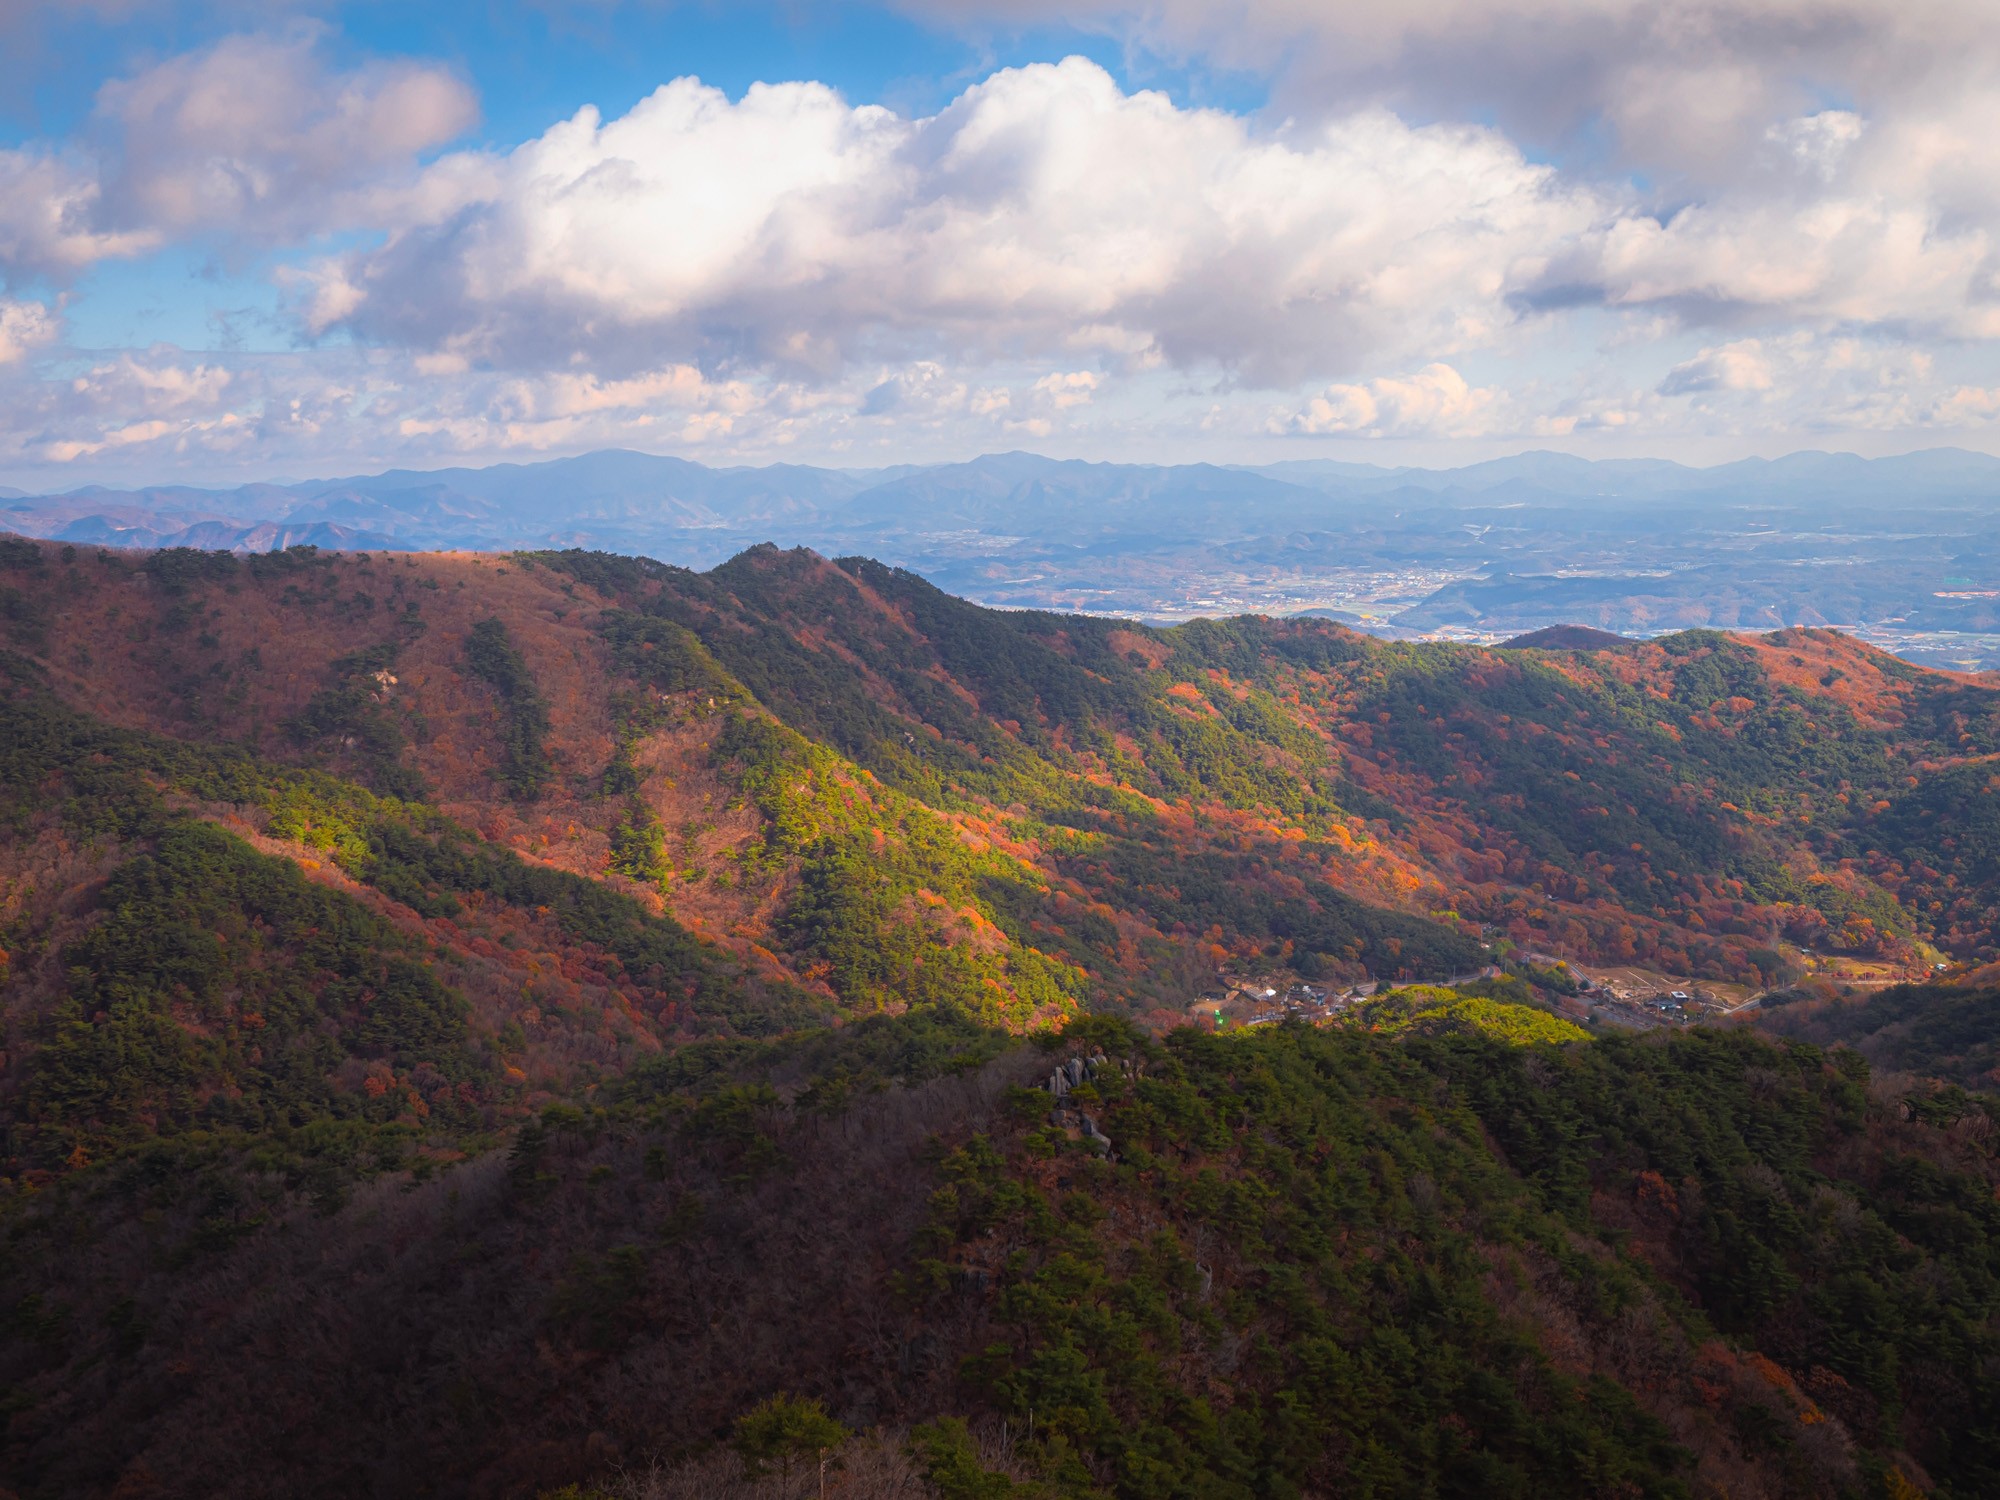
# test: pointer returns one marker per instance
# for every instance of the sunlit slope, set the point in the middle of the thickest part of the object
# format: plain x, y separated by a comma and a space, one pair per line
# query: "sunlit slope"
1699, 803
788, 754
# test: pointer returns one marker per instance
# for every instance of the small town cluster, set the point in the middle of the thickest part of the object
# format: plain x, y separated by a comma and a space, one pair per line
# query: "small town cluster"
1631, 1000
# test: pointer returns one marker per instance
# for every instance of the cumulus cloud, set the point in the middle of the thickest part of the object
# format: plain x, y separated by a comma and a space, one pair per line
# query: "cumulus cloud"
1688, 86
24, 326
139, 415
1967, 406
1870, 252
1804, 381
1045, 210
1741, 366
925, 393
1054, 255
48, 217
1818, 142
1066, 389
160, 401
1048, 212
138, 412
253, 140
257, 135
1434, 402
1771, 208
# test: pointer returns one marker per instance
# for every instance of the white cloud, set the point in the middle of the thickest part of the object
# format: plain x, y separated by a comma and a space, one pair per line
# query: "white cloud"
1053, 256
1686, 86
145, 415
1063, 391
1856, 257
24, 327
159, 402
1045, 210
1967, 406
924, 391
257, 136
569, 395
1434, 402
148, 410
254, 139
1741, 366
48, 208
1817, 142
1807, 382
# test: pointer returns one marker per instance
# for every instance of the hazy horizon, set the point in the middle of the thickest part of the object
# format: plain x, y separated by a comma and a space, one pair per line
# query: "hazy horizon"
248, 479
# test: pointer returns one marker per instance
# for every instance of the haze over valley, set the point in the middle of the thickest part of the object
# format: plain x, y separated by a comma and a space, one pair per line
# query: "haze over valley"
1903, 552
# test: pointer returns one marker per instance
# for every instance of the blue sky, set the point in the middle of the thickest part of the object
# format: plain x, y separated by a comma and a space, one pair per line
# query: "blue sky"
538, 62
244, 239
530, 64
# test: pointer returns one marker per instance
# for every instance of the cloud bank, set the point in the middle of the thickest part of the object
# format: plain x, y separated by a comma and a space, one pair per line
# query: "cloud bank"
1046, 212
1664, 228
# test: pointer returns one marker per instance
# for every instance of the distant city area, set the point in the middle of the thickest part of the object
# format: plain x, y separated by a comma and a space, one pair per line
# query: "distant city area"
1902, 552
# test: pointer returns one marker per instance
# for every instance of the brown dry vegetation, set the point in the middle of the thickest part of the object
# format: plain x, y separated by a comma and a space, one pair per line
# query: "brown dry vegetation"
238, 658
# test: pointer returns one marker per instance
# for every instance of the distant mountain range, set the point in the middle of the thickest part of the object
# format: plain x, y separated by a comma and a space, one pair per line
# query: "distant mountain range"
621, 496
1904, 547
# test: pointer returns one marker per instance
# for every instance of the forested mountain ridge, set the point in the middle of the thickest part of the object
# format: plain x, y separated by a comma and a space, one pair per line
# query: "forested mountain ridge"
1513, 783
859, 791
842, 790
659, 919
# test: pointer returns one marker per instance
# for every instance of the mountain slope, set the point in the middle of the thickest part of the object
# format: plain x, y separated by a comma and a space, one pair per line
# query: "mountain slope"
1078, 809
1702, 794
1321, 1262
472, 1021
